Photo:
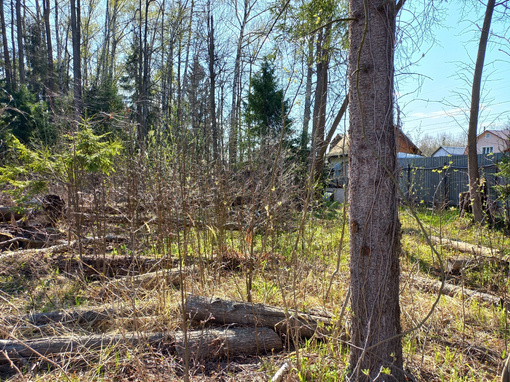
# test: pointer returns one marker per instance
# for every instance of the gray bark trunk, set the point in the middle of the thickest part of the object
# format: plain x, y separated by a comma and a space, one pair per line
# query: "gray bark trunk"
76, 36
7, 61
212, 92
11, 350
51, 76
224, 312
474, 176
19, 31
223, 343
374, 225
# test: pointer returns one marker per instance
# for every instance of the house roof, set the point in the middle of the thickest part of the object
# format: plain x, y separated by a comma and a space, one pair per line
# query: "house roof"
340, 149
405, 145
451, 150
503, 134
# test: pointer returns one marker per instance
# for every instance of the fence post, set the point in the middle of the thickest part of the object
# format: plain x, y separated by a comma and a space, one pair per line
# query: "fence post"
409, 182
446, 180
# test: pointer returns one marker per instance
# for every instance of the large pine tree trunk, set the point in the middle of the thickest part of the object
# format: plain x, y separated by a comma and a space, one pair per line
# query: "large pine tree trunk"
374, 225
474, 176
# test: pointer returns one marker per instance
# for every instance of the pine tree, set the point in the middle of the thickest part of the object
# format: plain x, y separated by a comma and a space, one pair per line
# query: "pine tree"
266, 111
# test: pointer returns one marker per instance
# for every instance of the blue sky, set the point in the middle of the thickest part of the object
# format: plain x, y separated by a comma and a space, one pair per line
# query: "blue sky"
434, 91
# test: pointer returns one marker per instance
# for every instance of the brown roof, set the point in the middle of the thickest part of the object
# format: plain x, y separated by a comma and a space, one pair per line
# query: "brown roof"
405, 145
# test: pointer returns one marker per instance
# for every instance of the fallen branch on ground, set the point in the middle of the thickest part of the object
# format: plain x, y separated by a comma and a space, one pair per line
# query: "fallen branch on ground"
464, 247
162, 278
454, 290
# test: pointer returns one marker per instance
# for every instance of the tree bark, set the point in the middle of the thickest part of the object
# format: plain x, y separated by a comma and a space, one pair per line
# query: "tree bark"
60, 67
429, 285
7, 60
224, 312
373, 204
474, 176
19, 31
49, 47
236, 85
319, 110
333, 128
224, 343
15, 350
206, 344
76, 37
212, 91
152, 280
308, 98
464, 247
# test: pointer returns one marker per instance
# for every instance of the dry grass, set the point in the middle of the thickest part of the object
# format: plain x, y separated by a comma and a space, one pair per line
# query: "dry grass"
464, 340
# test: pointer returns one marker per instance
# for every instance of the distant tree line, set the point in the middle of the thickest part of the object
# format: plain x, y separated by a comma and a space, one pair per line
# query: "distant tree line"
229, 77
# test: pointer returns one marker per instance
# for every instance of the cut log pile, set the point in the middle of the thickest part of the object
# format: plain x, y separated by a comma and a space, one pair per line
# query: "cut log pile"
224, 312
241, 329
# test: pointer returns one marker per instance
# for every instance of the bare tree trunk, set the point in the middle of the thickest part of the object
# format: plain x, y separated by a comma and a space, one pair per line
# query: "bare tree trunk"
308, 98
14, 77
235, 111
374, 225
59, 50
76, 36
145, 75
212, 91
50, 84
319, 110
331, 132
19, 31
474, 176
7, 60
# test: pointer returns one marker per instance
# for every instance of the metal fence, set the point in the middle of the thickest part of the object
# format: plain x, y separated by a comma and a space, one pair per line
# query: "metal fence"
434, 180
440, 180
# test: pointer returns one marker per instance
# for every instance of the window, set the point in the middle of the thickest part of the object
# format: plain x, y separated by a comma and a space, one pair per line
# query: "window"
487, 136
487, 150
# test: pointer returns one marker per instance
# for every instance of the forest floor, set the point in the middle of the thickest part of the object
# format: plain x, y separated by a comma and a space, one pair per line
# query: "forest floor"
465, 338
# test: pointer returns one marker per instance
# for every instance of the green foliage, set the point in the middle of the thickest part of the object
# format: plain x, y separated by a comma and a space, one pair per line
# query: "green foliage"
25, 117
266, 106
37, 57
503, 189
103, 97
30, 171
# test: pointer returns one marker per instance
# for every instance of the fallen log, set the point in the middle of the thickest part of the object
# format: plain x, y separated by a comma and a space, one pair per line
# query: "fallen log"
28, 243
457, 264
16, 350
8, 214
464, 247
454, 290
222, 343
204, 344
162, 278
89, 317
111, 265
57, 248
103, 317
214, 310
